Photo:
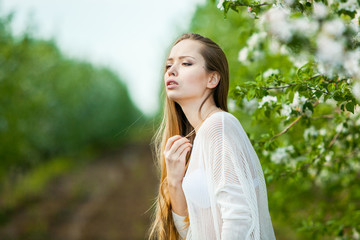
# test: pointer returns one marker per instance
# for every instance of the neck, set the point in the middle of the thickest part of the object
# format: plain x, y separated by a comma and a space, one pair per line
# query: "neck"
191, 111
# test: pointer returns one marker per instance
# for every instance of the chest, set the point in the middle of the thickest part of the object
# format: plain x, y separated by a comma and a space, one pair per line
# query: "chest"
195, 183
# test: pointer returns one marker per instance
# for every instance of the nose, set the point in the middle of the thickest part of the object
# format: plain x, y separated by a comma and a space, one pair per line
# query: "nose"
172, 71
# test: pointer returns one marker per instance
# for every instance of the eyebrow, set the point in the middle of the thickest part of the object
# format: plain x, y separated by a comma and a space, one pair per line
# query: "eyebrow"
181, 57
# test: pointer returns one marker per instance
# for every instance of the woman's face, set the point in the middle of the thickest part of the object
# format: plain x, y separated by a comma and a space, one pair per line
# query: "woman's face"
186, 68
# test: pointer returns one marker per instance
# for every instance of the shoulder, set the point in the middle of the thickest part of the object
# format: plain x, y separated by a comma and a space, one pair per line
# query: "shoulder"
220, 123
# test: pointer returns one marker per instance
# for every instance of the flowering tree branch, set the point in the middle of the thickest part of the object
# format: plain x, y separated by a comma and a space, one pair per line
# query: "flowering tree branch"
252, 5
287, 128
324, 116
281, 87
292, 124
333, 140
310, 51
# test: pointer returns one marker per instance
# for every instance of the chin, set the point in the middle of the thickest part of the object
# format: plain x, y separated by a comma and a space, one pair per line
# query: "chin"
173, 98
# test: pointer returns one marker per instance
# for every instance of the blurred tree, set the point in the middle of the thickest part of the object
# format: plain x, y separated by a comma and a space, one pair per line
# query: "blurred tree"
51, 105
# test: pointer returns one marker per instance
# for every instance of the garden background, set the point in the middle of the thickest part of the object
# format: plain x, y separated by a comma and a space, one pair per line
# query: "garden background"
75, 151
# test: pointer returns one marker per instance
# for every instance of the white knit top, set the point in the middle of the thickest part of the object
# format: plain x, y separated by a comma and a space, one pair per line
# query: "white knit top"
224, 185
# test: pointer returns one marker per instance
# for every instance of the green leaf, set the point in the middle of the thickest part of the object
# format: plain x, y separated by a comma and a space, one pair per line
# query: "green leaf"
309, 106
331, 87
291, 95
250, 94
226, 6
350, 106
318, 94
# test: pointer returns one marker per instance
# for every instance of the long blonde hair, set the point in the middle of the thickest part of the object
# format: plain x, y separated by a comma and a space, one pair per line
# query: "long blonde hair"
174, 122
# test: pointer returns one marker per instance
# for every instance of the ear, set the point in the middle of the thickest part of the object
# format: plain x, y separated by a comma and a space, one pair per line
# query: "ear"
214, 79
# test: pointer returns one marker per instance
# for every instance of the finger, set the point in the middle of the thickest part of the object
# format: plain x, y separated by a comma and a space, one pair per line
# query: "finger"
182, 148
178, 143
183, 154
170, 142
177, 154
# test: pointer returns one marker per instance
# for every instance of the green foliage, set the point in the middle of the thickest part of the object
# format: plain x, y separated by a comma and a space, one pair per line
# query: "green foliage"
300, 107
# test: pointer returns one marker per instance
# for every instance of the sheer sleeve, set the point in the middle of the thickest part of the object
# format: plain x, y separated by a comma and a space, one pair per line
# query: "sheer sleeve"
232, 178
180, 225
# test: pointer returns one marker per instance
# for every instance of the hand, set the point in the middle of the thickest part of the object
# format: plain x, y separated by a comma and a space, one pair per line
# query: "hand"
175, 155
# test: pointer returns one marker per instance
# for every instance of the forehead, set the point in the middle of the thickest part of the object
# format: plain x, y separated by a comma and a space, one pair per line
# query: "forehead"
186, 48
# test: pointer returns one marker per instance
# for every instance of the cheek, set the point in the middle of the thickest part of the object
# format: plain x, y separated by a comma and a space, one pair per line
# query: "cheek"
197, 77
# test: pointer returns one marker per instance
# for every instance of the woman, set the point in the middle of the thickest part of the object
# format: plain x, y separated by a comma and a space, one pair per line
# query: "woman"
212, 185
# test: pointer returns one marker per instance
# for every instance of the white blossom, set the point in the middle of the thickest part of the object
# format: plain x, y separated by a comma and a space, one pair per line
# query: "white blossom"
278, 22
321, 146
255, 39
352, 63
356, 234
285, 111
356, 90
356, 112
232, 105
350, 5
339, 128
267, 99
329, 156
331, 102
243, 54
304, 26
284, 50
354, 25
265, 153
279, 155
320, 10
251, 13
357, 123
329, 50
299, 60
312, 172
286, 3
310, 132
220, 4
334, 27
282, 154
298, 102
289, 2
274, 46
250, 105
355, 20
257, 54
270, 72
325, 69
322, 131
349, 137
308, 112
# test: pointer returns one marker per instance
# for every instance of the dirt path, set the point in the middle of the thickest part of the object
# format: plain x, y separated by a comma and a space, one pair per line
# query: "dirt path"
106, 200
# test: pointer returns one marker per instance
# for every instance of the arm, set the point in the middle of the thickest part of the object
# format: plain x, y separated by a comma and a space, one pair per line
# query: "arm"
235, 213
180, 225
175, 155
230, 173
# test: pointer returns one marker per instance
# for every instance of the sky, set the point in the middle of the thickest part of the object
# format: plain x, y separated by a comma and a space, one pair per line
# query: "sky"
129, 37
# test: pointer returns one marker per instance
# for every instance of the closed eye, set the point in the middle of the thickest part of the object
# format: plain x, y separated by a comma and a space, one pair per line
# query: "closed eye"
187, 64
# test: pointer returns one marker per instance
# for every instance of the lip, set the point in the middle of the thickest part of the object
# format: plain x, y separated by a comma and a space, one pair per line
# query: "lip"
170, 80
168, 86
